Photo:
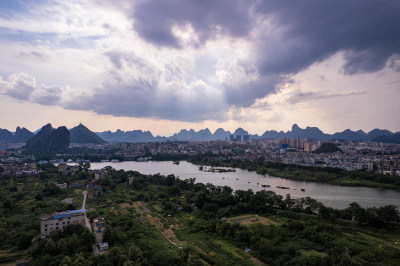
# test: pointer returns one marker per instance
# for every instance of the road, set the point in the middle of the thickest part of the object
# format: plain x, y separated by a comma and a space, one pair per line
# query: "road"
87, 223
83, 207
84, 199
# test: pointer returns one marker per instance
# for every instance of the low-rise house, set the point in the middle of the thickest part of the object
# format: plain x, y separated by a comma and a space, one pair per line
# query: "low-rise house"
98, 173
99, 224
62, 186
94, 190
59, 220
103, 246
62, 167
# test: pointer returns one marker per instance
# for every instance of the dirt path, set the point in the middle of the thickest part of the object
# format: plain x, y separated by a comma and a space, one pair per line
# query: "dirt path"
142, 205
168, 233
256, 261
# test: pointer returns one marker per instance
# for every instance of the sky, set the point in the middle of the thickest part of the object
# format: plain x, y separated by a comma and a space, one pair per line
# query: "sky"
167, 65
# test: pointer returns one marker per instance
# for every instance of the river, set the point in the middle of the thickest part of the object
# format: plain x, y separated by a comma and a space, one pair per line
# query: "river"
330, 195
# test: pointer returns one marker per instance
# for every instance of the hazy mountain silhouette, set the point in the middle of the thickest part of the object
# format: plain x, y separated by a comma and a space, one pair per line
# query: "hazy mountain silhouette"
394, 138
81, 134
6, 135
312, 133
21, 135
129, 136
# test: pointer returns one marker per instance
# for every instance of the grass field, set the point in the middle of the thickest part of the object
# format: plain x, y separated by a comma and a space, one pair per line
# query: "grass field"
249, 219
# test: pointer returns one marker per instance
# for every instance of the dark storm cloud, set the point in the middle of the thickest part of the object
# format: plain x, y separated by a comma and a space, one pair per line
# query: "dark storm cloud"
367, 31
308, 31
154, 20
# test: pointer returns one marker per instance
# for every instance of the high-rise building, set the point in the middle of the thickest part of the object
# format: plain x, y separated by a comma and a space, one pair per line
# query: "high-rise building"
308, 146
246, 138
238, 138
231, 138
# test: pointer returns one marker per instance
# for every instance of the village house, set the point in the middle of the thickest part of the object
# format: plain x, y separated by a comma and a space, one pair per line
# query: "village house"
99, 224
66, 169
62, 186
59, 220
94, 190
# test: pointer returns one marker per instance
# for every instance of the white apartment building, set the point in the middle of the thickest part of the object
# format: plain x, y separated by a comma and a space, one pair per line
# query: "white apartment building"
59, 220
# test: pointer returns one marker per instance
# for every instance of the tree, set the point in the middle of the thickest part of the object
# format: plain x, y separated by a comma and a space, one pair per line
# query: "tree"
135, 254
389, 215
79, 260
243, 195
7, 204
66, 261
50, 247
24, 241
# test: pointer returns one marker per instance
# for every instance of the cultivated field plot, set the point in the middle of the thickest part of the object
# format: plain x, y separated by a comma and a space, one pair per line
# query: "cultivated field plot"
249, 219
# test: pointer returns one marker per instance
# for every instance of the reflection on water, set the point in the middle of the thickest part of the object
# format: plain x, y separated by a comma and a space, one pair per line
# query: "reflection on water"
332, 196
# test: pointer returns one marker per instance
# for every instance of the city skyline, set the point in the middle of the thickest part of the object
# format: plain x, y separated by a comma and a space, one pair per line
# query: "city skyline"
146, 65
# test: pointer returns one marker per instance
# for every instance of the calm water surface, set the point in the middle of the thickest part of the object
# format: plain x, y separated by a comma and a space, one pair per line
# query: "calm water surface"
331, 195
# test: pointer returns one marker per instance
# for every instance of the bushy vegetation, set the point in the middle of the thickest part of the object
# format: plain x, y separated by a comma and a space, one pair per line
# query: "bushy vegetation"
205, 225
22, 201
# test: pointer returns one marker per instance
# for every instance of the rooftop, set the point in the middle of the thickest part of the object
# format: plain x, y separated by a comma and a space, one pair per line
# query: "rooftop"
60, 215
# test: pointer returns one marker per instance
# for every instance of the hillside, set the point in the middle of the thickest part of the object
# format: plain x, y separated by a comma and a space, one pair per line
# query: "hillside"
6, 135
81, 134
22, 135
395, 138
48, 140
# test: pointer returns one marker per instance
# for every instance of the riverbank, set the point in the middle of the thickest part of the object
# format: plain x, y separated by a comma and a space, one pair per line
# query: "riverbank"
327, 175
331, 195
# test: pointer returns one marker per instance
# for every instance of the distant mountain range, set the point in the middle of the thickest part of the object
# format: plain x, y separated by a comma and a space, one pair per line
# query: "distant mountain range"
21, 135
312, 133
81, 134
129, 136
315, 133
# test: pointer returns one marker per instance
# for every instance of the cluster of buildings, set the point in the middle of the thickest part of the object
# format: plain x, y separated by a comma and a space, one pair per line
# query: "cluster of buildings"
376, 157
371, 156
19, 169
239, 138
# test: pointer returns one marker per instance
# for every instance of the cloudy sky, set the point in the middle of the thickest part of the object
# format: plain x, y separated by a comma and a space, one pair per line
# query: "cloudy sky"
165, 65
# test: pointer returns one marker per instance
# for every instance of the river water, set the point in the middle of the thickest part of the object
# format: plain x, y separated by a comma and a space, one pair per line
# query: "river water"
330, 195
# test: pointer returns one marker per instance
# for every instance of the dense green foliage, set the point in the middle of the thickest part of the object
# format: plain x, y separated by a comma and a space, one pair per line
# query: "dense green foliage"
73, 243
283, 231
22, 201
